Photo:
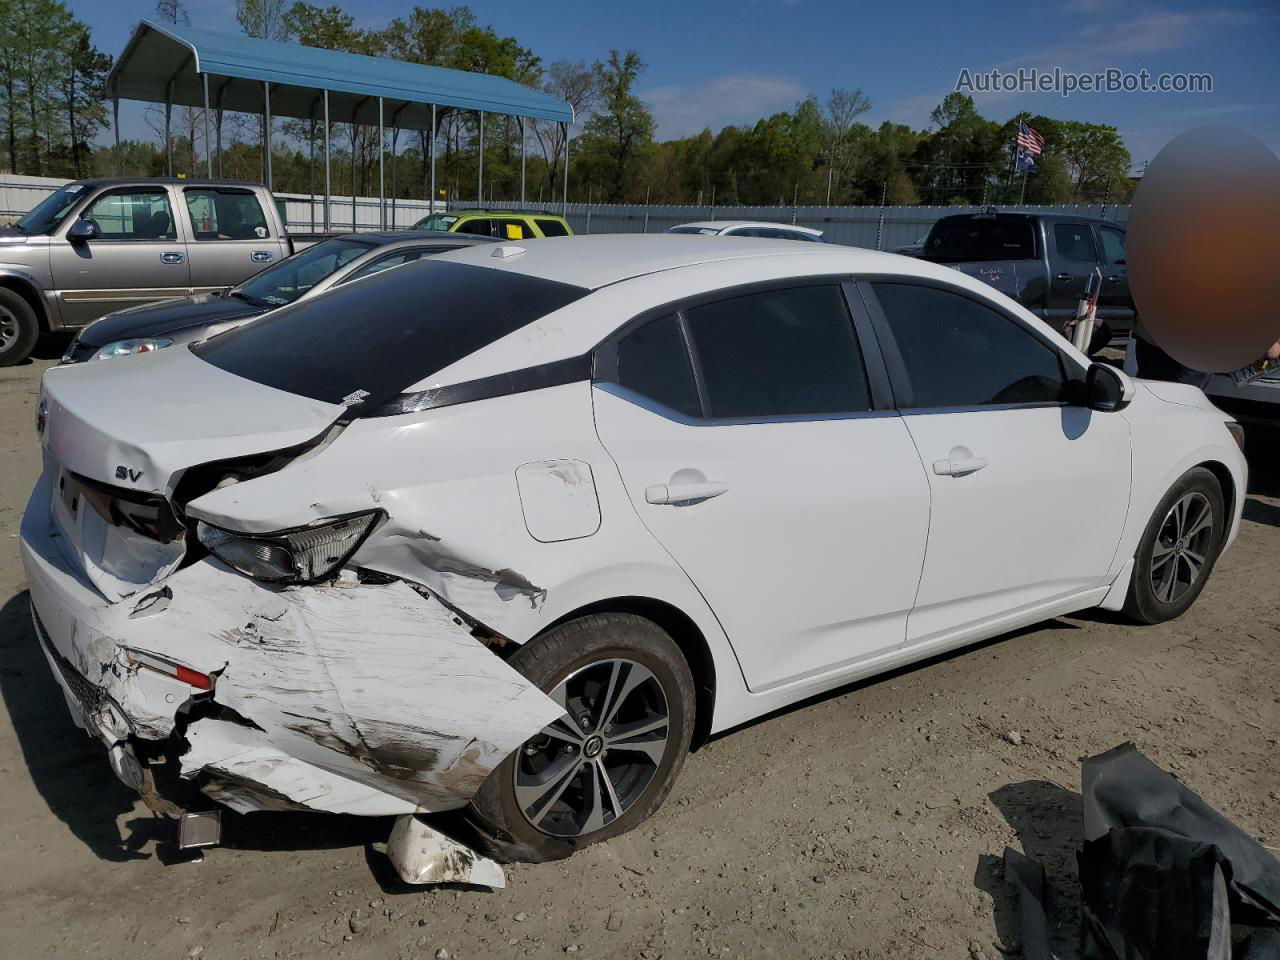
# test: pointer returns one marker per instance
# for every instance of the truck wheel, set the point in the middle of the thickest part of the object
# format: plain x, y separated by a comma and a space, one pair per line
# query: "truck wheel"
19, 328
1178, 549
610, 762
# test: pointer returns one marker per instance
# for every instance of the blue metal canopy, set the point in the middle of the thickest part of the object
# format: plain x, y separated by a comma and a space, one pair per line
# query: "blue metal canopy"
167, 63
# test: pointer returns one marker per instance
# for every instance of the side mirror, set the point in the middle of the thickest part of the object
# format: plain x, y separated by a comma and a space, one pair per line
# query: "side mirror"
83, 230
1106, 388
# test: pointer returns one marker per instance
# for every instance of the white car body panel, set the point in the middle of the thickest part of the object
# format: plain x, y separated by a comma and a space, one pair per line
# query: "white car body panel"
831, 514
519, 511
1007, 537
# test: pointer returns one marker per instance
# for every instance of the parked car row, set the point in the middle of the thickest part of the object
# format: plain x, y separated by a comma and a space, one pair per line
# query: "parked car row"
97, 246
508, 529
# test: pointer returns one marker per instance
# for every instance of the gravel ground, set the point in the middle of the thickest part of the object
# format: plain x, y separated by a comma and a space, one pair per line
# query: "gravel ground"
867, 823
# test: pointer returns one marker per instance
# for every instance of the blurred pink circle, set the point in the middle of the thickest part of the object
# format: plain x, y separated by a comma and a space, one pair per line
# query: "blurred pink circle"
1202, 249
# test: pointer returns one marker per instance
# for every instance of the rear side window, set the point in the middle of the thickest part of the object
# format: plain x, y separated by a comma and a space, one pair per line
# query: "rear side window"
1112, 244
226, 215
512, 230
551, 228
653, 362
958, 353
970, 239
1075, 242
364, 344
779, 353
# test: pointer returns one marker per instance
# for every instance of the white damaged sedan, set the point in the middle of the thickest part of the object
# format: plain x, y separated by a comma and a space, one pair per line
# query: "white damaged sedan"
511, 529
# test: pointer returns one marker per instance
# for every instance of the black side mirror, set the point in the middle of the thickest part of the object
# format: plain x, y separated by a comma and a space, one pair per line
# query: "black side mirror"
1106, 388
83, 230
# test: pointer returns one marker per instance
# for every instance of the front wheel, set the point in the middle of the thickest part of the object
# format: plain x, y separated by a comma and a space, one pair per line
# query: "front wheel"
1178, 549
608, 764
19, 328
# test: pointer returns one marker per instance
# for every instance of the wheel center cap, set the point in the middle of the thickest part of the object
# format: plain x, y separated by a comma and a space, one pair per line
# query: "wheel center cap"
591, 749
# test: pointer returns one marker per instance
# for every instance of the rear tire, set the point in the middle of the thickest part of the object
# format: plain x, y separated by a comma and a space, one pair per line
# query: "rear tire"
610, 765
19, 328
1178, 549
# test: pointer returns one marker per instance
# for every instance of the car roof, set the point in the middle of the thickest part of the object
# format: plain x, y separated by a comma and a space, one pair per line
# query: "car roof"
630, 274
722, 225
1031, 217
600, 260
501, 213
383, 237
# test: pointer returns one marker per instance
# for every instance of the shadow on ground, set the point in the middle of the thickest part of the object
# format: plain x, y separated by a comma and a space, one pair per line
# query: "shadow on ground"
1048, 820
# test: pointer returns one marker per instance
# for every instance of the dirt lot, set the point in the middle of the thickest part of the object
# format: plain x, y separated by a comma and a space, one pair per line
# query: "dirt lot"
864, 824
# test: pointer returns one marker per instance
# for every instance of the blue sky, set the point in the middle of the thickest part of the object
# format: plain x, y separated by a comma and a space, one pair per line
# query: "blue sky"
713, 63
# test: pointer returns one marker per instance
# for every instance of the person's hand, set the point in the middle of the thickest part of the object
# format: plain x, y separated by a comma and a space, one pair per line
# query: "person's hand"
1274, 352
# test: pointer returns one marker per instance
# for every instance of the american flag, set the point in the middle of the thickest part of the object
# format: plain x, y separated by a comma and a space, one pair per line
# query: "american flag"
1029, 140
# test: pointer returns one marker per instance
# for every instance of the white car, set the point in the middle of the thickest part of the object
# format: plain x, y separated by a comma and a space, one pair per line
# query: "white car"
516, 550
750, 228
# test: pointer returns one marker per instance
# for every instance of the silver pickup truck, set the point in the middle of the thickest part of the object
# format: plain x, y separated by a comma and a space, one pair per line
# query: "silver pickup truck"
96, 246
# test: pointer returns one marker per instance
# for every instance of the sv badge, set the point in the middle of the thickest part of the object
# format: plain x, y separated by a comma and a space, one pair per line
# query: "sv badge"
124, 473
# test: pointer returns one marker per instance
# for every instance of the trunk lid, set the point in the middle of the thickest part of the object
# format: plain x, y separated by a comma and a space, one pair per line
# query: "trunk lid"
118, 436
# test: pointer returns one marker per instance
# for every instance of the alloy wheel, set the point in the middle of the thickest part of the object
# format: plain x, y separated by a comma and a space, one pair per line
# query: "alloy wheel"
583, 771
1181, 549
8, 329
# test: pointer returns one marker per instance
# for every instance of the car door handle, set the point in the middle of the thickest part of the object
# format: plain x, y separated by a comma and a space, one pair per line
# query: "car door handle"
958, 468
674, 493
261, 256
1064, 277
173, 256
1114, 278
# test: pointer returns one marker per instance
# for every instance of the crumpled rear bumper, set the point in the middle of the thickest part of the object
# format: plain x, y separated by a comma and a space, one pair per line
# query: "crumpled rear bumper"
347, 697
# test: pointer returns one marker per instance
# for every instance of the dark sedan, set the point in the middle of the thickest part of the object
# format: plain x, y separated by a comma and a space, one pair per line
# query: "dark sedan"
306, 274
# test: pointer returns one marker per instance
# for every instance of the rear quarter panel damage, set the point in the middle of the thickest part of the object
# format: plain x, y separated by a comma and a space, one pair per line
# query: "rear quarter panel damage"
346, 697
473, 513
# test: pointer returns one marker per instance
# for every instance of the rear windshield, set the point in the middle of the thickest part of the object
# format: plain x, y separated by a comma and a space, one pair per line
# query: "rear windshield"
966, 239
364, 344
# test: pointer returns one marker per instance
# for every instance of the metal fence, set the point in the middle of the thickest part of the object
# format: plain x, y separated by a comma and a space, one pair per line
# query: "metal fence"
882, 228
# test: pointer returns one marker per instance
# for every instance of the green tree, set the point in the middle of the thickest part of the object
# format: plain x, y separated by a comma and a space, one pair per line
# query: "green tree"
84, 84
616, 138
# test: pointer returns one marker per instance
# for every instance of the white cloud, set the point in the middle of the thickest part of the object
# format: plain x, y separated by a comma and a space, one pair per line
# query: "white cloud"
681, 111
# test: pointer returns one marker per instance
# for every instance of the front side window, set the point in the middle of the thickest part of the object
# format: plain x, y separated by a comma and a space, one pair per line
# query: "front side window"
956, 352
291, 278
779, 353
133, 215
226, 215
477, 227
439, 222
48, 213
551, 228
1075, 242
654, 362
1112, 244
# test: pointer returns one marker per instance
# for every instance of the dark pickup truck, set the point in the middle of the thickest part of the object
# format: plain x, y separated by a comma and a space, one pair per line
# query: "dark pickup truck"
1041, 260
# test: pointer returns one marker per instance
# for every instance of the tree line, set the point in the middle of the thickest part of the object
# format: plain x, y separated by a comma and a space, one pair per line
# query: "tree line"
52, 84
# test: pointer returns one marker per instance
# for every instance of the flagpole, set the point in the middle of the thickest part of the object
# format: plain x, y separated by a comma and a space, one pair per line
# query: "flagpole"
1023, 198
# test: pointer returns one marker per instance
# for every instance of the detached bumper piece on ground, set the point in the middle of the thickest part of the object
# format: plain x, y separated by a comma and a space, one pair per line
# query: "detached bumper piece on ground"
1163, 875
